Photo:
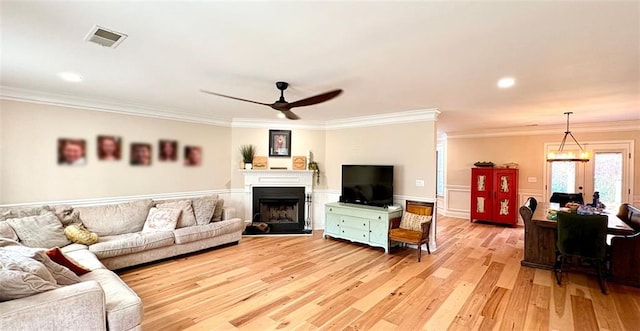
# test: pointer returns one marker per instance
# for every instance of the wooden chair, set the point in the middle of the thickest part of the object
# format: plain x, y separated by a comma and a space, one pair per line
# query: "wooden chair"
414, 226
584, 237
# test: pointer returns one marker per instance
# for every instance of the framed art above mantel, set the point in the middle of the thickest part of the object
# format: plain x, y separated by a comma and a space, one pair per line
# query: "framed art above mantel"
280, 143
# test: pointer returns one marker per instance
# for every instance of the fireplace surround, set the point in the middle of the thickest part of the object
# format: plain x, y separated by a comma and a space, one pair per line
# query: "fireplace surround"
278, 201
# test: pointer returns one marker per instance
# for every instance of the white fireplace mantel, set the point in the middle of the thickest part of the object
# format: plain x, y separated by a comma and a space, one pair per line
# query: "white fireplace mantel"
275, 178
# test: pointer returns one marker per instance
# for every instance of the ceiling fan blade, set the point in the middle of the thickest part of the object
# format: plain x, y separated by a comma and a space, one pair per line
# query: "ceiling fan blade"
290, 115
234, 98
315, 99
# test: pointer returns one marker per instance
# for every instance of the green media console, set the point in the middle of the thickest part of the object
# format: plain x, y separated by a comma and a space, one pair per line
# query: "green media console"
363, 224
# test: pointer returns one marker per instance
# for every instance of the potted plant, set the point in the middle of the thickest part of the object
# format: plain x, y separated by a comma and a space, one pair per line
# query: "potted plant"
247, 152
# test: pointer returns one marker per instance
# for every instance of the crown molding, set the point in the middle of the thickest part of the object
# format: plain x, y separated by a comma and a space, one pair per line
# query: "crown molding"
411, 116
551, 129
69, 101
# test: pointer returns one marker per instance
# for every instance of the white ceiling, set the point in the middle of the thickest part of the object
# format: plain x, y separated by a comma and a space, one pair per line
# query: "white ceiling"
387, 56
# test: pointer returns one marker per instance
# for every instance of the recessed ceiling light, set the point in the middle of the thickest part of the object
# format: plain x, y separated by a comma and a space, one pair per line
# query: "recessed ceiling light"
280, 115
506, 82
70, 77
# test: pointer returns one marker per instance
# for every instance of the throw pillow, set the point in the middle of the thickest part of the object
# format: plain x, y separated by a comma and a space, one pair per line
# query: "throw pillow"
60, 274
161, 219
22, 277
66, 214
187, 217
203, 208
39, 231
78, 234
6, 231
56, 255
217, 213
414, 221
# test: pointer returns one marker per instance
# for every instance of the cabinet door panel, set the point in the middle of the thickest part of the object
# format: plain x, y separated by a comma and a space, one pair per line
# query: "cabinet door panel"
378, 232
505, 203
481, 193
354, 234
332, 225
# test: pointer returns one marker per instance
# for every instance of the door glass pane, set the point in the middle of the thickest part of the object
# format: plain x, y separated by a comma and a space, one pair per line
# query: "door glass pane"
563, 177
607, 178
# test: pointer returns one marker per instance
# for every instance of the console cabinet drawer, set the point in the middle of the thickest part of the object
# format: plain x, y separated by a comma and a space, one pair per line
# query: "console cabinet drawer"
364, 224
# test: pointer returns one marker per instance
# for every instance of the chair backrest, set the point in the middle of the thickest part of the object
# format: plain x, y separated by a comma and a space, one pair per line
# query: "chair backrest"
527, 210
563, 198
582, 235
419, 207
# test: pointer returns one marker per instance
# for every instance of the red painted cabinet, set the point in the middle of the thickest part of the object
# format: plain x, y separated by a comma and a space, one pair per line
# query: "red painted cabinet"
494, 195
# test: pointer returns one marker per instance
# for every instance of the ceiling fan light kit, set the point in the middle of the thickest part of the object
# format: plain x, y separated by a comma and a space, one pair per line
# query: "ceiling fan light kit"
282, 105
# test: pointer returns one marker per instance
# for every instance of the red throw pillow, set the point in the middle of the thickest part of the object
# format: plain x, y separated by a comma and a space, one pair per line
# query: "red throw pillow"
56, 255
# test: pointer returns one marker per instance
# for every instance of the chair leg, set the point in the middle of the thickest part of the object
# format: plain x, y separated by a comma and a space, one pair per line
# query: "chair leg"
419, 252
428, 250
601, 279
557, 270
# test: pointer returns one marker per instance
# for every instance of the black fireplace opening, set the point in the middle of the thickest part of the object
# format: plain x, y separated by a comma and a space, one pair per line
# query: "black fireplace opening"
280, 208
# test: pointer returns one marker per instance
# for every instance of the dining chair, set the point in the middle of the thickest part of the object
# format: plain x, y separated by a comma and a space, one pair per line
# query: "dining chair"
583, 237
563, 198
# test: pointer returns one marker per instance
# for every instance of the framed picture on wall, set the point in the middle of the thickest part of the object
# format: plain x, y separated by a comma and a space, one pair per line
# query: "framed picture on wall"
280, 143
109, 148
72, 152
168, 150
140, 154
192, 156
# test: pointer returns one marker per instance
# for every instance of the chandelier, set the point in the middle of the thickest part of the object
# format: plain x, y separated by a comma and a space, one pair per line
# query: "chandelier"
568, 156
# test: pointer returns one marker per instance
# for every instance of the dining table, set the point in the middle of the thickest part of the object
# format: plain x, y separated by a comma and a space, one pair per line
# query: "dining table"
541, 233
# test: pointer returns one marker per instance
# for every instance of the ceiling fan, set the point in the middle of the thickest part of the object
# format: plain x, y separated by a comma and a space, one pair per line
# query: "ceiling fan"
285, 107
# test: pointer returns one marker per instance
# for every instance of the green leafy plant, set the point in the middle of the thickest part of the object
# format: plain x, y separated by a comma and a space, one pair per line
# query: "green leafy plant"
316, 170
247, 152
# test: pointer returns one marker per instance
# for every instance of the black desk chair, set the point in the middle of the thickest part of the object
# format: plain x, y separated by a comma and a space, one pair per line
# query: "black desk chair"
584, 237
563, 198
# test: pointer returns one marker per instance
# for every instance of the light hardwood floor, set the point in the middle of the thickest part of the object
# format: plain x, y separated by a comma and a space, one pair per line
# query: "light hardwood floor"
473, 281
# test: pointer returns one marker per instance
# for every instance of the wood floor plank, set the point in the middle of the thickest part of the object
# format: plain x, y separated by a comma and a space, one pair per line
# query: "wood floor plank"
473, 281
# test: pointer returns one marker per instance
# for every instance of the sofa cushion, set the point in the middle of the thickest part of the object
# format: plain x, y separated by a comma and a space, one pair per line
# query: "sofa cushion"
123, 306
78, 234
60, 258
217, 213
203, 208
123, 244
83, 257
19, 212
161, 219
187, 218
39, 231
6, 231
109, 220
200, 232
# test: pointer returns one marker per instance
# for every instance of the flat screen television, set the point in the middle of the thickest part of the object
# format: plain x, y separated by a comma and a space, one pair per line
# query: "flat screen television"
367, 185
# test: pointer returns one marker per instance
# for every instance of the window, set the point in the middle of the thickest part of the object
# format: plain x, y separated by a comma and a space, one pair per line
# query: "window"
439, 171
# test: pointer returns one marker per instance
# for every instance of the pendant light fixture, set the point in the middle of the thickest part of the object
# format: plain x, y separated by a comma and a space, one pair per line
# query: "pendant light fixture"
568, 156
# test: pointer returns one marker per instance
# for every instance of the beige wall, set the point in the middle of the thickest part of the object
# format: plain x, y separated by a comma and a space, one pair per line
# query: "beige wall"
409, 147
527, 151
29, 172
302, 140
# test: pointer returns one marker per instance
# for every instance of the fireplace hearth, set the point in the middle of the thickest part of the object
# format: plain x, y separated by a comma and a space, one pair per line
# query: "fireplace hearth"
278, 210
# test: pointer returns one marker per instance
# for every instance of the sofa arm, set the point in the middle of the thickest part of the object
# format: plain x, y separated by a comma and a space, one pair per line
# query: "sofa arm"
80, 305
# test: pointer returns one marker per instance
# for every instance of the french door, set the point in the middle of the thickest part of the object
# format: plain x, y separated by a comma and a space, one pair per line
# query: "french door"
609, 172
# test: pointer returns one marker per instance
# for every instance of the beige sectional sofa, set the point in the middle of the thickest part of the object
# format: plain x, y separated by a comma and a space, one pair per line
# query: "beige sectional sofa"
101, 300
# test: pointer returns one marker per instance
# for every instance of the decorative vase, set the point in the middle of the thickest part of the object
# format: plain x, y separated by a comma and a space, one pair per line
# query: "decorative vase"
248, 166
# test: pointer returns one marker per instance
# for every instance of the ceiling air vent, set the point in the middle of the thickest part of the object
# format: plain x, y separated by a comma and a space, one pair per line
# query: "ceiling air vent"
105, 37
